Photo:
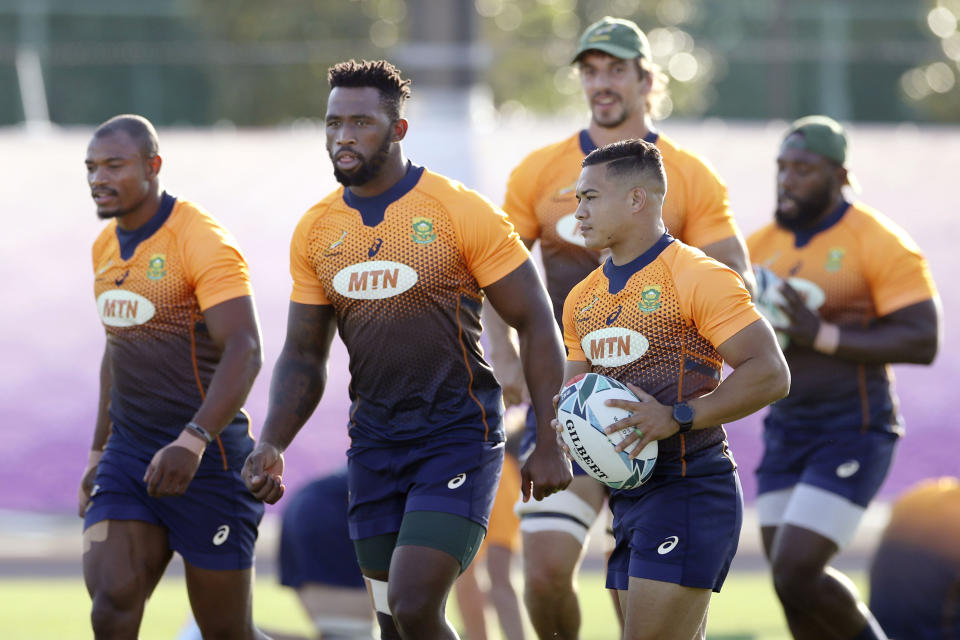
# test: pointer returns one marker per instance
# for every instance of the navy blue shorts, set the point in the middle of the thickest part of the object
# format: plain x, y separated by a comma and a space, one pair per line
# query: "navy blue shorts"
213, 525
679, 530
850, 464
451, 477
315, 543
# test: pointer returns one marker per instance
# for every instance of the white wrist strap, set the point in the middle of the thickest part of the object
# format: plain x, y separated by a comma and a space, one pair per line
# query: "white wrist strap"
828, 339
191, 442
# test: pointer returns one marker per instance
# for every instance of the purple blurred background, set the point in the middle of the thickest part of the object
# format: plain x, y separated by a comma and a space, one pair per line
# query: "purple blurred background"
259, 183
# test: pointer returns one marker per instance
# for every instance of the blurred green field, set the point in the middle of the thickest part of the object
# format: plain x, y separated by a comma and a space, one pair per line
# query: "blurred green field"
58, 608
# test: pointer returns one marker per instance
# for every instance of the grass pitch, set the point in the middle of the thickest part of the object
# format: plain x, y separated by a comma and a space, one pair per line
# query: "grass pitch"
58, 608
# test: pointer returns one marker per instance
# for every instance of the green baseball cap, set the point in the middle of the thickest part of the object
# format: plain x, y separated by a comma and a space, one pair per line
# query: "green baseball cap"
620, 38
823, 136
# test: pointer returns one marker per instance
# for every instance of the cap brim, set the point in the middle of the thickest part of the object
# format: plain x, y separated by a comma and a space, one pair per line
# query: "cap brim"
608, 47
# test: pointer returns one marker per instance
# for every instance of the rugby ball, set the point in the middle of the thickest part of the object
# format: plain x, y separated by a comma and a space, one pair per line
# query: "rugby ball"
770, 301
583, 414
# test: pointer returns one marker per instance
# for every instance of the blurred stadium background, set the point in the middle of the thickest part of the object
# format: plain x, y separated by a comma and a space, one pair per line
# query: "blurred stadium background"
238, 88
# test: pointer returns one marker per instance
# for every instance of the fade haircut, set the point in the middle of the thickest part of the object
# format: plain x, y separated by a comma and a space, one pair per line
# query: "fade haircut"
379, 74
137, 127
635, 157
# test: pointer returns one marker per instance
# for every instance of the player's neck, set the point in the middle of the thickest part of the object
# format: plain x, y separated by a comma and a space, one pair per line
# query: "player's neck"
392, 172
142, 213
638, 125
638, 241
828, 211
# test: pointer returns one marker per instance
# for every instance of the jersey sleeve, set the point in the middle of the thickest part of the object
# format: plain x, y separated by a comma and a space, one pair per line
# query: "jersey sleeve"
213, 262
712, 295
570, 338
520, 200
896, 270
307, 288
490, 244
708, 217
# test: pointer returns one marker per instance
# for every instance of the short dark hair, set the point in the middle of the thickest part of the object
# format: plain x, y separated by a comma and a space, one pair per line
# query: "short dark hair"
379, 74
631, 157
137, 127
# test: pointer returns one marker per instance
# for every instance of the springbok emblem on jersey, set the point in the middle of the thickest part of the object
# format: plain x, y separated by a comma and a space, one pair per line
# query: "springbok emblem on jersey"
650, 298
423, 232
835, 259
156, 267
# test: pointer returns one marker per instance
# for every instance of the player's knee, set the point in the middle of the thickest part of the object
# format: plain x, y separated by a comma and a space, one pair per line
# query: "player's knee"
547, 577
112, 610
414, 609
795, 581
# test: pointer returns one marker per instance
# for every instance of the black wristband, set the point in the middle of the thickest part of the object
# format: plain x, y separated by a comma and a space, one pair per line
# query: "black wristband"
200, 431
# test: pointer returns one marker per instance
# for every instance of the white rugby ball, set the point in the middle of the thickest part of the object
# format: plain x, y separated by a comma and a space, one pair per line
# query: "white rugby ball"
583, 414
769, 300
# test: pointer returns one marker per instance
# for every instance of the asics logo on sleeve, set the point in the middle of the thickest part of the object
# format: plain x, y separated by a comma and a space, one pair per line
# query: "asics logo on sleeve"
667, 545
457, 480
848, 468
223, 532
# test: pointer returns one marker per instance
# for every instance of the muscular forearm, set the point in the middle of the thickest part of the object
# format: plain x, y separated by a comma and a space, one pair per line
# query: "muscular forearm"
881, 344
295, 390
231, 382
543, 360
101, 431
754, 384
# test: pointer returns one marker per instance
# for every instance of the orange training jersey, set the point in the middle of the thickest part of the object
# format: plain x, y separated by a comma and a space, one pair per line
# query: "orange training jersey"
655, 322
404, 272
541, 200
152, 286
855, 267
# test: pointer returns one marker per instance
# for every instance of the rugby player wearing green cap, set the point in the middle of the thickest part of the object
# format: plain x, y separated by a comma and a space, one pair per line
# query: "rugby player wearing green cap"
623, 87
857, 295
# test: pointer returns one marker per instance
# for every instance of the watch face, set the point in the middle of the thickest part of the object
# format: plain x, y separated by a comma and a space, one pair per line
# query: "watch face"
683, 413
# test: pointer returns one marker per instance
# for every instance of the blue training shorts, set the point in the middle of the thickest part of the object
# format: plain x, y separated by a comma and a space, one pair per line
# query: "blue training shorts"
676, 529
315, 541
213, 525
451, 477
850, 464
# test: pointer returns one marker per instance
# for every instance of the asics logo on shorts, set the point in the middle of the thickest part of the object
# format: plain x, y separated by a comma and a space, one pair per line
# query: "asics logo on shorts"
457, 480
848, 468
223, 532
667, 545
95, 490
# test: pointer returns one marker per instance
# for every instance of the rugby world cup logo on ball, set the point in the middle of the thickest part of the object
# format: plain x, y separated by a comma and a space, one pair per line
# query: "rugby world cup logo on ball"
584, 415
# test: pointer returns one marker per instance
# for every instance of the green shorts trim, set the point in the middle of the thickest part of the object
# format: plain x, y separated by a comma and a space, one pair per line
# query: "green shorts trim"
447, 532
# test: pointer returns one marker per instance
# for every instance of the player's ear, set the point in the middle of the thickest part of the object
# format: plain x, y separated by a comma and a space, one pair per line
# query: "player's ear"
638, 198
155, 163
399, 129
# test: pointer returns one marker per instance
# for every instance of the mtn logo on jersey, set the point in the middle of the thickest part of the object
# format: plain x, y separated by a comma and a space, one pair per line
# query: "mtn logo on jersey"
568, 228
614, 346
374, 280
120, 308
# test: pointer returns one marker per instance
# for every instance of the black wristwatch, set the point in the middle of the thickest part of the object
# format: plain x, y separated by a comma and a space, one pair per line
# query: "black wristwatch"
683, 414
